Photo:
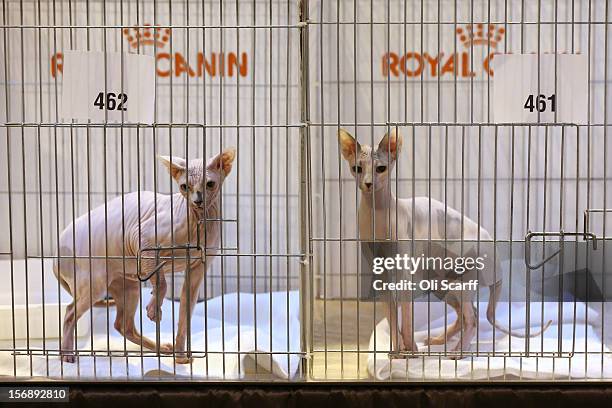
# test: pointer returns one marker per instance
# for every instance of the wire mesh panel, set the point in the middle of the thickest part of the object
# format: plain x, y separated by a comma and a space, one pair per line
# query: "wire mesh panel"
505, 192
410, 152
226, 112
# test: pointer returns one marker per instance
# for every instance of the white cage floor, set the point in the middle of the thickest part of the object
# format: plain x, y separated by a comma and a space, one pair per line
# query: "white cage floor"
276, 332
579, 335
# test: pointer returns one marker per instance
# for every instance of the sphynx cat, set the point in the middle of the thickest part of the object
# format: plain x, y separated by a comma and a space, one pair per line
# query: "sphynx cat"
124, 226
382, 216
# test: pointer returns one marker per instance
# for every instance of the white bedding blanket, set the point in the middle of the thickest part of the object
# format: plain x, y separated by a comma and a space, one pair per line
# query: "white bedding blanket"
278, 332
587, 337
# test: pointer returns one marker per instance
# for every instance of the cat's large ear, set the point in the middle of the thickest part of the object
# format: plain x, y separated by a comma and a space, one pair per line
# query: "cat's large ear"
223, 161
176, 166
391, 144
348, 145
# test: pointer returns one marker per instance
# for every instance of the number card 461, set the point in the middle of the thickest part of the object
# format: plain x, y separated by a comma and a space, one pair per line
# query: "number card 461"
540, 89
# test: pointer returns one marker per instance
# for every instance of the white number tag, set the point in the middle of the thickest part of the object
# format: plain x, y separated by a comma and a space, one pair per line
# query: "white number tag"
519, 96
92, 93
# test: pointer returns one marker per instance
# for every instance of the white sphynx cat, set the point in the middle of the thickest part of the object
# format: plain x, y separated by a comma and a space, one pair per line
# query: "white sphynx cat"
393, 219
88, 280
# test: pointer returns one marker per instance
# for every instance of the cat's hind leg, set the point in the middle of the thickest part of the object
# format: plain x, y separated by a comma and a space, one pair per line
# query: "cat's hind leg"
452, 329
85, 296
127, 296
468, 330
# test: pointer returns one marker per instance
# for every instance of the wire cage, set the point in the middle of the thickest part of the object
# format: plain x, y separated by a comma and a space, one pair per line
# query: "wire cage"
299, 105
221, 87
425, 70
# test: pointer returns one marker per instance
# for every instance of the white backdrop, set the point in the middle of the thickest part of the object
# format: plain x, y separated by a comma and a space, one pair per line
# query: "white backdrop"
51, 170
251, 81
352, 86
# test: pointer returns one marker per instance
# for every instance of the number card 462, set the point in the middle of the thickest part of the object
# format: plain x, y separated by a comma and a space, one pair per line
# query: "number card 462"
108, 87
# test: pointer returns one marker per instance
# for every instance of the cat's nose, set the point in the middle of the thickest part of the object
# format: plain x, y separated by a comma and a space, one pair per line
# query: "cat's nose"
368, 185
198, 198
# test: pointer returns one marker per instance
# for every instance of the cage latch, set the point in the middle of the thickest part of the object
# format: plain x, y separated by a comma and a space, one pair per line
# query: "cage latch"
159, 265
561, 234
589, 211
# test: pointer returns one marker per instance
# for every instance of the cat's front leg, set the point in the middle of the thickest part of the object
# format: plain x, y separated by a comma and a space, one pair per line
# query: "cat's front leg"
406, 331
160, 287
189, 298
149, 267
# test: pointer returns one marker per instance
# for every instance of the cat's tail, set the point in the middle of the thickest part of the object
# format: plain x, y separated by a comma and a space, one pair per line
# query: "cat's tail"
106, 302
494, 292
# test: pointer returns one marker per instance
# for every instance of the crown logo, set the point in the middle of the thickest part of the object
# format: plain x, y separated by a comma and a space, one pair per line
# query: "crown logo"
480, 34
147, 36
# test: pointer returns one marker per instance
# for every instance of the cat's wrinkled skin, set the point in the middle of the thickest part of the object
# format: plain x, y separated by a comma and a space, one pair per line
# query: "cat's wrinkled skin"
124, 225
382, 216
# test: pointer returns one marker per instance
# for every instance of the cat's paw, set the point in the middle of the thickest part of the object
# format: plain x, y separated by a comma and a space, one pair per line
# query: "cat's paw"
182, 358
435, 341
154, 313
409, 348
68, 357
165, 348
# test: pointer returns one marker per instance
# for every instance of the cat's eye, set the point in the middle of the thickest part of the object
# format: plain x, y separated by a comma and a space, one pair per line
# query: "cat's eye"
381, 169
210, 184
184, 188
357, 169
